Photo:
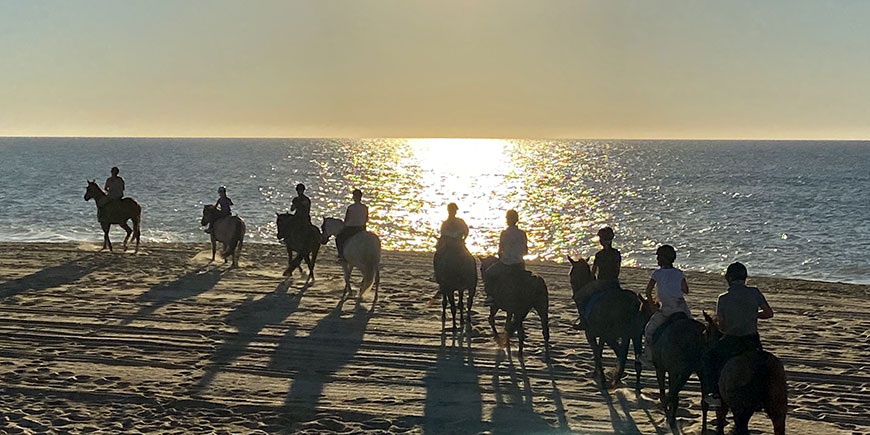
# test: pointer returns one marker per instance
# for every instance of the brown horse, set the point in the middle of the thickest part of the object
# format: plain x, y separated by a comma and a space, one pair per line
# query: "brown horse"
750, 382
304, 239
616, 319
677, 348
229, 230
517, 293
455, 271
116, 212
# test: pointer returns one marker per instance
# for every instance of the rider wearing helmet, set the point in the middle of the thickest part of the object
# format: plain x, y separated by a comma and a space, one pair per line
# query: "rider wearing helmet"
223, 205
355, 220
301, 206
737, 314
605, 271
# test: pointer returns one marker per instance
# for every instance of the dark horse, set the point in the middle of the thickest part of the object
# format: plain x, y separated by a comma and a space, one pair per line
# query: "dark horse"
455, 271
516, 295
677, 348
116, 212
616, 319
302, 238
750, 382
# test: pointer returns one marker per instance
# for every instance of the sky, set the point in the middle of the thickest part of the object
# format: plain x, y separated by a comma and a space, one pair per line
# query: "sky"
449, 68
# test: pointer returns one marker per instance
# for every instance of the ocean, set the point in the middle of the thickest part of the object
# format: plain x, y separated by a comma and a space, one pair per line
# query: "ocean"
784, 208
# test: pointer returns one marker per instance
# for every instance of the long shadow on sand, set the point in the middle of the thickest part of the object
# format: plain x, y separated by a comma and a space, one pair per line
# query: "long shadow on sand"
513, 411
54, 276
316, 358
250, 318
193, 283
453, 403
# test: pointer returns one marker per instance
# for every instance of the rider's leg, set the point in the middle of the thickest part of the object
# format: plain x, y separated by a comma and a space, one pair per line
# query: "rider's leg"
654, 323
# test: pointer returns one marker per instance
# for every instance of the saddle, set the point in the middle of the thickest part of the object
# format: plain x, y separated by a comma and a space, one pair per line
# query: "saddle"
679, 315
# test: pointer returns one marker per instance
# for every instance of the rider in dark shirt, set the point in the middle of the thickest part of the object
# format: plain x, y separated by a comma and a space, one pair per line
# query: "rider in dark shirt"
224, 204
301, 206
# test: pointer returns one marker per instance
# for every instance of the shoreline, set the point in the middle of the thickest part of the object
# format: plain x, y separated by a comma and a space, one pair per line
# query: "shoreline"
164, 341
95, 246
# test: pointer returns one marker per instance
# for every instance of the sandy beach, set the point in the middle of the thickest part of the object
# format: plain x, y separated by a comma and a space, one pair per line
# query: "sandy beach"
163, 341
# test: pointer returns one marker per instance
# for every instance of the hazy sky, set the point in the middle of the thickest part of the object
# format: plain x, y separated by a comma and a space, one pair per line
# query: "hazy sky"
465, 68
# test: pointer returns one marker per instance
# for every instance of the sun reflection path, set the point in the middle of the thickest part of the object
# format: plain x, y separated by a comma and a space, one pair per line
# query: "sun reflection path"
469, 172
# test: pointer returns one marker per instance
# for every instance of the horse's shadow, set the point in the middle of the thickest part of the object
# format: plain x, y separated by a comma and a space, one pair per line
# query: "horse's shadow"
189, 285
250, 318
453, 398
316, 358
54, 276
514, 412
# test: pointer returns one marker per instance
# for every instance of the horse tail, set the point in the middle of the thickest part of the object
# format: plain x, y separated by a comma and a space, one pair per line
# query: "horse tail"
236, 240
777, 393
370, 263
315, 243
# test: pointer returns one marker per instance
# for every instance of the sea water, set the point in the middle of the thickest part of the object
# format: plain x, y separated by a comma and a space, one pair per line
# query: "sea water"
795, 209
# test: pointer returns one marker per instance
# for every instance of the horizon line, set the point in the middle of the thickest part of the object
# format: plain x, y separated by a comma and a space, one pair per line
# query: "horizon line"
440, 137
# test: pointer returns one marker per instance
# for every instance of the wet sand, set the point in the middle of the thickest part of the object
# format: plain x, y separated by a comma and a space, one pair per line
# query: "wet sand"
163, 341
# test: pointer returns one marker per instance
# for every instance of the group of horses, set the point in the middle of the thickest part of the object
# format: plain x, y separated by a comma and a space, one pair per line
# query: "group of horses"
748, 383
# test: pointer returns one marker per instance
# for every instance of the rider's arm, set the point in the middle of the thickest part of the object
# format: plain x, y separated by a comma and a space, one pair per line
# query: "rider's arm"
766, 312
649, 288
684, 286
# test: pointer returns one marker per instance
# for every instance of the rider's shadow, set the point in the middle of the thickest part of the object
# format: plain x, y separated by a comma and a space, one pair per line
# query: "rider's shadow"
453, 398
513, 412
54, 276
191, 284
250, 318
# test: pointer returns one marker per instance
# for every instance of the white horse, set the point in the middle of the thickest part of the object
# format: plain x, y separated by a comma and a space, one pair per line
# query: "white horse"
362, 251
229, 231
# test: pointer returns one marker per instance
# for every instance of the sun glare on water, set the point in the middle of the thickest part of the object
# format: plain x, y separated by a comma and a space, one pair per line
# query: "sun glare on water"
469, 172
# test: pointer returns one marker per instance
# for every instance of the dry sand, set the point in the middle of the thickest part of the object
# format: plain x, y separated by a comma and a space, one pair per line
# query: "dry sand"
165, 342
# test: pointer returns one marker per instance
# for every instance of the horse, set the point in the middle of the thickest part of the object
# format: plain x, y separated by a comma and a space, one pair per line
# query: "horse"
677, 347
516, 295
455, 271
304, 239
749, 382
116, 212
362, 250
229, 230
615, 318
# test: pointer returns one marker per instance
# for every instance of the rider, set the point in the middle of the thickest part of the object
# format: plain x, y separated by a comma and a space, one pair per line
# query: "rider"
114, 189
223, 204
114, 185
453, 230
671, 286
355, 220
605, 270
301, 206
512, 246
737, 314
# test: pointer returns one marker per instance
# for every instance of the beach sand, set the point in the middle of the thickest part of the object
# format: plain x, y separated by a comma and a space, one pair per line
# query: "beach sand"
162, 341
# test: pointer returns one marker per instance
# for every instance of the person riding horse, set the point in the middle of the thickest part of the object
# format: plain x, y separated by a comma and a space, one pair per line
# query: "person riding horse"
453, 234
737, 314
512, 246
301, 207
114, 188
605, 270
223, 204
355, 220
671, 287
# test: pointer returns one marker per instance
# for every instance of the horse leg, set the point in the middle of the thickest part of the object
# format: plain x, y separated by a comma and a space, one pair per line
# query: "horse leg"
676, 386
443, 308
638, 366
213, 245
461, 312
721, 415
660, 377
129, 232
493, 310
545, 330
106, 241
596, 355
521, 332
452, 298
347, 270
741, 422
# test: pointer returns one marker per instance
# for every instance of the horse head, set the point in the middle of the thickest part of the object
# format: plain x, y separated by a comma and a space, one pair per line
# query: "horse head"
93, 190
712, 334
330, 227
647, 308
208, 214
581, 273
282, 221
